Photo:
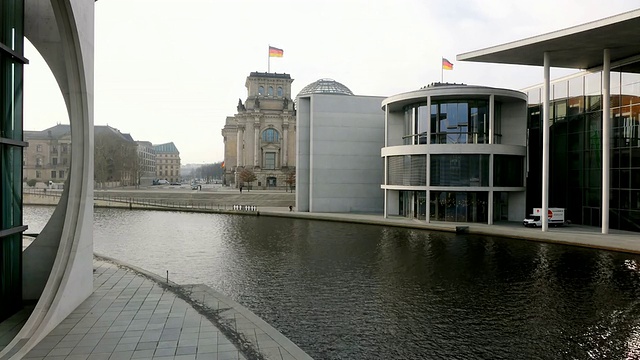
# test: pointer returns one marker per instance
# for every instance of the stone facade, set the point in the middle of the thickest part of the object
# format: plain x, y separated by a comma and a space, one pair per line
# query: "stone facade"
48, 155
146, 163
260, 137
167, 162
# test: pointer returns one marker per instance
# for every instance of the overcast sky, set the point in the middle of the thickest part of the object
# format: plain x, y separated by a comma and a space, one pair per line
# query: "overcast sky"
168, 70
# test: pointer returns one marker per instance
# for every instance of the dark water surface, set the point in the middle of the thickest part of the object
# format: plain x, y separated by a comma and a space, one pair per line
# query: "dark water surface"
345, 291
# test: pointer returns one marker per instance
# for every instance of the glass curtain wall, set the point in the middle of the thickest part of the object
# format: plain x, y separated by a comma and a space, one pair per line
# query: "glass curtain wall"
460, 122
11, 144
576, 153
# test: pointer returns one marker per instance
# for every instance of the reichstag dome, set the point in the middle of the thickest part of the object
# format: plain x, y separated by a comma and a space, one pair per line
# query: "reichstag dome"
325, 86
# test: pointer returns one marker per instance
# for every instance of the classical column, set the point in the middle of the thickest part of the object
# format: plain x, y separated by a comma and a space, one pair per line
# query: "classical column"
256, 142
240, 139
606, 138
285, 144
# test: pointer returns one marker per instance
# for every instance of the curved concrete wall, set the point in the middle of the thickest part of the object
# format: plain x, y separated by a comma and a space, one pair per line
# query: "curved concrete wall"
58, 266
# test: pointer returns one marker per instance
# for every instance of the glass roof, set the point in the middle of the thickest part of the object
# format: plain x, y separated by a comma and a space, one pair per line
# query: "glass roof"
325, 86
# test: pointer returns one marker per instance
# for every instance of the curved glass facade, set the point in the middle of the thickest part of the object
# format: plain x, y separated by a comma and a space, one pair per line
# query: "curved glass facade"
11, 145
460, 170
575, 160
452, 122
453, 169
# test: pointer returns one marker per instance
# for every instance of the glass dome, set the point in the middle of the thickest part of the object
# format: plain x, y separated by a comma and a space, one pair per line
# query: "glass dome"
325, 86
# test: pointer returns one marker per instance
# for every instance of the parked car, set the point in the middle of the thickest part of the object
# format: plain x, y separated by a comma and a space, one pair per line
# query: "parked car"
161, 182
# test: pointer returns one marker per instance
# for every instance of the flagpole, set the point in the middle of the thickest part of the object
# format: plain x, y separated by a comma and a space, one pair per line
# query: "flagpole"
269, 61
441, 70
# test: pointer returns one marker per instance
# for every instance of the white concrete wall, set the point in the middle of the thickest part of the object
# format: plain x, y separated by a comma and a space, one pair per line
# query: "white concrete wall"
514, 123
395, 129
393, 202
346, 135
517, 202
302, 153
63, 32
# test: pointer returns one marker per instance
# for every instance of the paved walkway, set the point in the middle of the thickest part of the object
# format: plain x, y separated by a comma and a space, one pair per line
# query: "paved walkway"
133, 315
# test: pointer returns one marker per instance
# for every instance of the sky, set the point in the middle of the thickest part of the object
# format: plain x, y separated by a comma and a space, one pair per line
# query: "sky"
172, 71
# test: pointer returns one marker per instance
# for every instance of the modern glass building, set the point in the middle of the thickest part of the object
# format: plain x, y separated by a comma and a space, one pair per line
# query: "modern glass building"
455, 153
583, 129
11, 147
575, 161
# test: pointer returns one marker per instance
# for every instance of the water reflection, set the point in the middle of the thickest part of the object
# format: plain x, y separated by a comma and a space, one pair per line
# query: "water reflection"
365, 292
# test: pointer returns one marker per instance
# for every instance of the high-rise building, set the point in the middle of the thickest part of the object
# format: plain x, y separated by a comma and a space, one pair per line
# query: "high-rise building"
260, 137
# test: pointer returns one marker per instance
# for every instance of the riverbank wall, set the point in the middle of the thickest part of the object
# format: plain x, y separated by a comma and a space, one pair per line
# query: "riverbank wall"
263, 203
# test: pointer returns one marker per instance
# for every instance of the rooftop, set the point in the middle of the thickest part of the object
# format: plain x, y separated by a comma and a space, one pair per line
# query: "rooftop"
578, 47
270, 75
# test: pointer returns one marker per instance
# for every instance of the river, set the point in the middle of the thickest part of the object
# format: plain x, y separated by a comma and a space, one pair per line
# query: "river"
347, 291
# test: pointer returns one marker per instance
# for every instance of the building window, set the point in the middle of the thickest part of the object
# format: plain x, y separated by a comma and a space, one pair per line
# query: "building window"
39, 161
270, 160
39, 148
61, 174
270, 135
270, 91
280, 91
65, 148
64, 161
38, 175
53, 174
261, 90
54, 161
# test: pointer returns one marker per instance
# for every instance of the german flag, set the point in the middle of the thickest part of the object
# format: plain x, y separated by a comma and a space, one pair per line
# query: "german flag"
275, 52
446, 64
222, 165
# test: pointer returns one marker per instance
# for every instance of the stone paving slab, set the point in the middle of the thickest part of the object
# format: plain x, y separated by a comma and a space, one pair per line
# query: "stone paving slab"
132, 316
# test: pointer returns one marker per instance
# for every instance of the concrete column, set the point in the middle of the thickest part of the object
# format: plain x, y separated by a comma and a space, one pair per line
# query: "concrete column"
385, 201
490, 196
240, 140
285, 144
386, 126
492, 117
428, 195
428, 162
256, 142
545, 143
428, 124
606, 138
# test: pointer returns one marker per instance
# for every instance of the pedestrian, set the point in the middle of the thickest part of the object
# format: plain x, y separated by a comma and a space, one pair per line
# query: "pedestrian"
240, 189
290, 208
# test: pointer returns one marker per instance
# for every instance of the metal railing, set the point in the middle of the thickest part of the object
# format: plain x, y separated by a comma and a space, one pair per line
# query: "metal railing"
131, 202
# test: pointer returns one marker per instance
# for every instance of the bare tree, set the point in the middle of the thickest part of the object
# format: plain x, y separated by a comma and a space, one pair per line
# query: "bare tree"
291, 180
115, 159
246, 176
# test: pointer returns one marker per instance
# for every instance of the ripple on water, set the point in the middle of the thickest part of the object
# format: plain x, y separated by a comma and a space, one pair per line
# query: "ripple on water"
346, 291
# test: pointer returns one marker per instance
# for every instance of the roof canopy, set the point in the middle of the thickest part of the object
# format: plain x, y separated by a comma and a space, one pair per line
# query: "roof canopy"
578, 47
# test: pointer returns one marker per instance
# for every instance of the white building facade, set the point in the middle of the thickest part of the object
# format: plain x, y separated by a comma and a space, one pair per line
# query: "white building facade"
455, 153
338, 144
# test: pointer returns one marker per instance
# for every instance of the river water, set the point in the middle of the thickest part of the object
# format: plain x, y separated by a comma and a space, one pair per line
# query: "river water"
345, 291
